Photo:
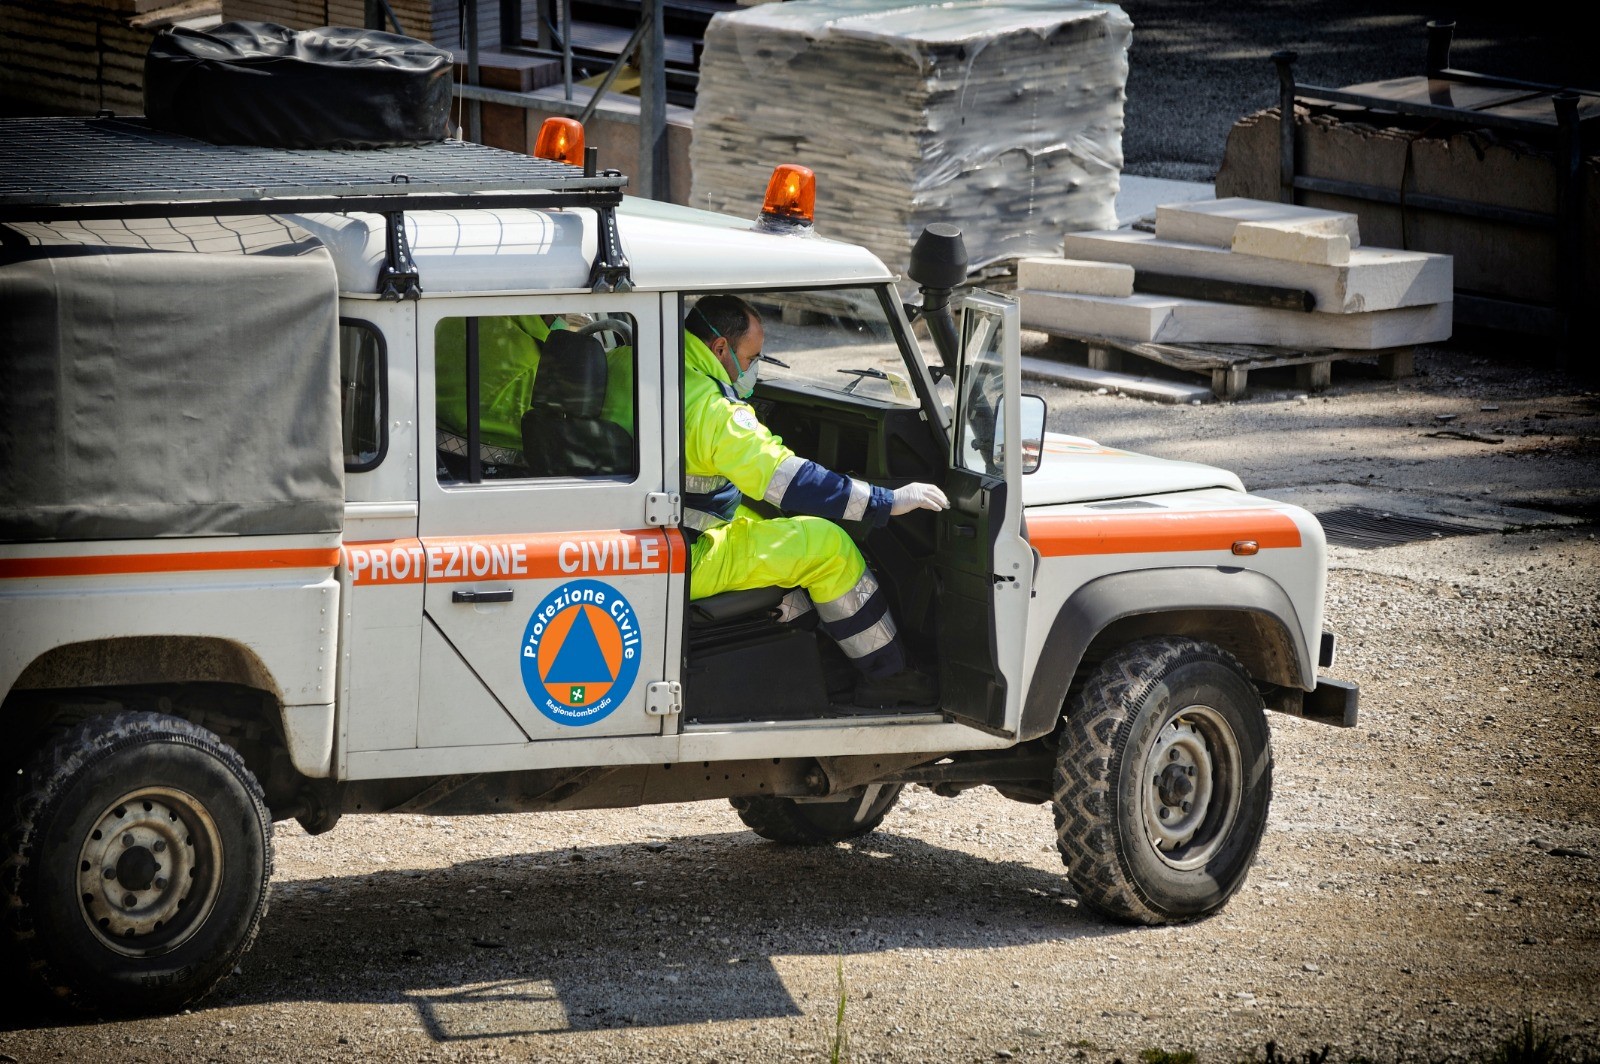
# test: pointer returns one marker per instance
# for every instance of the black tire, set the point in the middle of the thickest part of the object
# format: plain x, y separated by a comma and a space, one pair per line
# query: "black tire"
816, 823
1162, 782
134, 871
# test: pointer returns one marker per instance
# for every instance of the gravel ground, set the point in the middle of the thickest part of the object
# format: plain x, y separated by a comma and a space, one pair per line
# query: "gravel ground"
1426, 879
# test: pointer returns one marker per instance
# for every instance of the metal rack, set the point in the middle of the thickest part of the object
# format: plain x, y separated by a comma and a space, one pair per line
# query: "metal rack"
58, 169
648, 39
1501, 114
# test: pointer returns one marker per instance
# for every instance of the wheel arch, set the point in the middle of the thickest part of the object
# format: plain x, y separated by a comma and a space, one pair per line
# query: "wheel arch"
148, 659
219, 684
1244, 612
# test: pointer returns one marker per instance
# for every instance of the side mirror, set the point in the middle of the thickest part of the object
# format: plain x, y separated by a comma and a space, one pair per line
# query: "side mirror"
1033, 419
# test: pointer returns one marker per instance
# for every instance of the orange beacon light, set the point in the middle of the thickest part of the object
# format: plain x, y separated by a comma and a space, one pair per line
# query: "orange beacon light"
791, 196
560, 140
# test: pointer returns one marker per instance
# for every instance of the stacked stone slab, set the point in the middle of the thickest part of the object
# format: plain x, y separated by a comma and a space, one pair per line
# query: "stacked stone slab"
1364, 298
1001, 116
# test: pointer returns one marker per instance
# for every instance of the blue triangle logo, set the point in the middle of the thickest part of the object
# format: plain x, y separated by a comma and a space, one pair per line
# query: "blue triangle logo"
579, 660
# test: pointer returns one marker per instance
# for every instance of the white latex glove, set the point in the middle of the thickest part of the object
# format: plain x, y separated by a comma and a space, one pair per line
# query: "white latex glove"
918, 497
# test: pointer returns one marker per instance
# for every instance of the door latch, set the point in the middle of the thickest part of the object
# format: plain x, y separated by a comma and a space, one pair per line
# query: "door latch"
664, 698
663, 508
481, 596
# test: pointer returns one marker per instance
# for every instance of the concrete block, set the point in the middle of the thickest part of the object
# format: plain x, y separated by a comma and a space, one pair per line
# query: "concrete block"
1168, 319
1213, 223
1373, 279
1071, 376
1272, 242
1075, 275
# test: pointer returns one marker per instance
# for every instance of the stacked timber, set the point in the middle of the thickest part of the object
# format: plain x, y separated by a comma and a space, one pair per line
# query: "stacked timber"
79, 58
417, 18
1001, 116
1240, 271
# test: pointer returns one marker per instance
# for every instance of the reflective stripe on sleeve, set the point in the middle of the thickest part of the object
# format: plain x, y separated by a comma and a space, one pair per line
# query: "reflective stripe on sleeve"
704, 485
700, 521
860, 496
782, 477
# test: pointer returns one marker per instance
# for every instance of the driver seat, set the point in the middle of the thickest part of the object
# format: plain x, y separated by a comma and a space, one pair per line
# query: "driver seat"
563, 434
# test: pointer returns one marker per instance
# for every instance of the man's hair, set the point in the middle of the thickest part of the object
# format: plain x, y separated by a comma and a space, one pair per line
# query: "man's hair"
729, 316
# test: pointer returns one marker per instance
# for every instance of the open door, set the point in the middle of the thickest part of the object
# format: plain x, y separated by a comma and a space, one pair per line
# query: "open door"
983, 561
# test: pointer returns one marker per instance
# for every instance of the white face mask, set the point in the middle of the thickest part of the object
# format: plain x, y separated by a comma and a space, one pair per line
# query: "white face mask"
745, 383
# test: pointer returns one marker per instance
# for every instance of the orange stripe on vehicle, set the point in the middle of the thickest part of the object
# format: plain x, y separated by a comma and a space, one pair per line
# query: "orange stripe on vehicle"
1062, 535
537, 556
175, 562
678, 550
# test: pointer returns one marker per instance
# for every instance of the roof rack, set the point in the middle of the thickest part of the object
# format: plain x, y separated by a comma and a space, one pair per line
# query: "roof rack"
59, 169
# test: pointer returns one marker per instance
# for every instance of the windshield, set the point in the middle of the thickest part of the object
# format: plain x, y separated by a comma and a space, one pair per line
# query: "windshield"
839, 340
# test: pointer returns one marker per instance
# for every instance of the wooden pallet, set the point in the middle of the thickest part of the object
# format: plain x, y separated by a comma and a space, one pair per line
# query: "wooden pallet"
1229, 365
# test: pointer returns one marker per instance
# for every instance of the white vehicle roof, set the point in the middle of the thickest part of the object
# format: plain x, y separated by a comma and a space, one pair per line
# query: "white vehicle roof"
521, 250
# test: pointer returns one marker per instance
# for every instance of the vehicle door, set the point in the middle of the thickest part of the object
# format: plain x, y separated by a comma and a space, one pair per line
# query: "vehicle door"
546, 588
983, 559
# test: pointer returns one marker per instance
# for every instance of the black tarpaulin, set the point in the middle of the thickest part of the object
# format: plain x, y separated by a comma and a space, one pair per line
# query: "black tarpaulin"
333, 87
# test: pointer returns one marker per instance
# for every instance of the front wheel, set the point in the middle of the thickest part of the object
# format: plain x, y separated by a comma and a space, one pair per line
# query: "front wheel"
818, 823
136, 870
1163, 781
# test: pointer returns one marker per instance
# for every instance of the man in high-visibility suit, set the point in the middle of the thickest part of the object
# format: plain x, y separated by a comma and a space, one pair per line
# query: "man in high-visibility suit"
728, 453
510, 348
508, 361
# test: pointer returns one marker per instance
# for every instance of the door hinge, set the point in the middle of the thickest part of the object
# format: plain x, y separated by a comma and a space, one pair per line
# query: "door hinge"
663, 508
663, 698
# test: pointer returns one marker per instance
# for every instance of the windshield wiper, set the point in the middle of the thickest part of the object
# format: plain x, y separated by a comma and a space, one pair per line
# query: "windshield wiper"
861, 375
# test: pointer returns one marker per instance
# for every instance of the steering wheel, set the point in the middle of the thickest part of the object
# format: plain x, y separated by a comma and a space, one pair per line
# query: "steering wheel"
616, 325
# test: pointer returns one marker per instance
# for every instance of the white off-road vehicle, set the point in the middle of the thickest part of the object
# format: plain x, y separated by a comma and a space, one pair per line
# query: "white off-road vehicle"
349, 482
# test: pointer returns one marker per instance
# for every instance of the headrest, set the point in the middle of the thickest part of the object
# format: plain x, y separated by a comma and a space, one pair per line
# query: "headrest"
571, 381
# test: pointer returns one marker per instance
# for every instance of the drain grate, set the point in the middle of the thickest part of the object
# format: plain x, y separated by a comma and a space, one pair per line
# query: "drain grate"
1368, 529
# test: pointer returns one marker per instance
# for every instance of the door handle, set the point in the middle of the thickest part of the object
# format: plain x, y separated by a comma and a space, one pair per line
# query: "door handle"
481, 596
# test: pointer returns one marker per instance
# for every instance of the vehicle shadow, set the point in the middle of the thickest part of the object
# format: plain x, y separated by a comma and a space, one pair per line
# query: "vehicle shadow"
647, 934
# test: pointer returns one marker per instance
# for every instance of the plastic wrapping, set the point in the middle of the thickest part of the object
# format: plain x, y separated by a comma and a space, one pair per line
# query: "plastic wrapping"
168, 378
265, 84
1003, 117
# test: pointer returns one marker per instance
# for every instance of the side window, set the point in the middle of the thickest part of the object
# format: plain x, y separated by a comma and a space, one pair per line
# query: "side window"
839, 340
364, 404
980, 434
554, 397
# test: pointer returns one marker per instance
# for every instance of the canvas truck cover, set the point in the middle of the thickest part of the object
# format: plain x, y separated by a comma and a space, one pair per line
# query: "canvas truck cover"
167, 377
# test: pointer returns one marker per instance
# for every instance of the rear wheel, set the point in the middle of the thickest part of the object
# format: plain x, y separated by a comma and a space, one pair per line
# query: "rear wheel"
1163, 781
818, 823
135, 872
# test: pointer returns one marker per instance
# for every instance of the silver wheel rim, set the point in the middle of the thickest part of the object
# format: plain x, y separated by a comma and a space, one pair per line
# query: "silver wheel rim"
1191, 787
149, 871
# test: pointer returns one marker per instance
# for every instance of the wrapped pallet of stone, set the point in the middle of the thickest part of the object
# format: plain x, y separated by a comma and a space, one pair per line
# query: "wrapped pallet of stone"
1001, 116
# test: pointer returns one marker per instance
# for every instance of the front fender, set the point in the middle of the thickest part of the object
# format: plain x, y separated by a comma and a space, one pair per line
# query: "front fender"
1245, 612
